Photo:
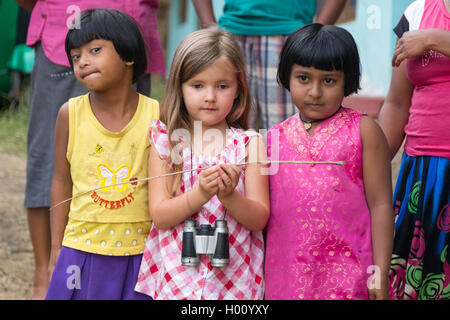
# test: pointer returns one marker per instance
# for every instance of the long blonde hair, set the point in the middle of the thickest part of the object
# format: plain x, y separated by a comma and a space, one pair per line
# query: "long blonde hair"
196, 52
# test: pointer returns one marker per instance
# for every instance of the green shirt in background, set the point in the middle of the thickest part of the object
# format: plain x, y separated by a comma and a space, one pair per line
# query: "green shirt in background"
266, 17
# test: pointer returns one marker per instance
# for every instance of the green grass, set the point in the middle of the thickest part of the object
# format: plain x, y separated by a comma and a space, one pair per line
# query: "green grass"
158, 85
14, 127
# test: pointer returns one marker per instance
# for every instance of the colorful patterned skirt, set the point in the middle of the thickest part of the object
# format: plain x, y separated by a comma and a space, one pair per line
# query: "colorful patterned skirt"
420, 265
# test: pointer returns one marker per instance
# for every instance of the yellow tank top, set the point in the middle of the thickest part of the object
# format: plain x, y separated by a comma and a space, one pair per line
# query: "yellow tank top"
113, 219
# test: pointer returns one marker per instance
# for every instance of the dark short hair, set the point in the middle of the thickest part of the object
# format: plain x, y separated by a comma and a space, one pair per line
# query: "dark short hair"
322, 47
115, 26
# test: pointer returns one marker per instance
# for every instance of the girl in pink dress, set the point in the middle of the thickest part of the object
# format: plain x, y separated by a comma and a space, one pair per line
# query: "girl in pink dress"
203, 125
330, 231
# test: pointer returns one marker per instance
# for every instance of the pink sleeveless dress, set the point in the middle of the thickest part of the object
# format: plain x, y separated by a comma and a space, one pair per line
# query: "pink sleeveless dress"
319, 234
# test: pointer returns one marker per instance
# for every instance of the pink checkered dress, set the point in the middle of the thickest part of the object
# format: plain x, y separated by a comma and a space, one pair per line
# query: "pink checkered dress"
162, 276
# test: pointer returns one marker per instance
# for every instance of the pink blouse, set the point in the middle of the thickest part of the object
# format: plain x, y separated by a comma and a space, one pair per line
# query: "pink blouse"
428, 125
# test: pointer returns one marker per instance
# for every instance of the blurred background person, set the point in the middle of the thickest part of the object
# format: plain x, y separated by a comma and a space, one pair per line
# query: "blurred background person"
418, 106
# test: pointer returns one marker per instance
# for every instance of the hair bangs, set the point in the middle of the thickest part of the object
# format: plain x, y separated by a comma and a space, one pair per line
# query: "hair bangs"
114, 26
196, 61
88, 30
321, 53
322, 47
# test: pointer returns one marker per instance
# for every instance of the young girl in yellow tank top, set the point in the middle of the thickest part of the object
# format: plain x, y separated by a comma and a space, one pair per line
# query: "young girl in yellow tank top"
101, 141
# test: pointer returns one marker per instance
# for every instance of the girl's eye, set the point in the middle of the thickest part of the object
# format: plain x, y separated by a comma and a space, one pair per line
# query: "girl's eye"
95, 50
303, 78
197, 86
75, 57
329, 81
222, 86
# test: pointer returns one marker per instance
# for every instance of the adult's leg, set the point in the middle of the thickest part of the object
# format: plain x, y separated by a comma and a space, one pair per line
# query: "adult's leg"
272, 103
39, 227
247, 44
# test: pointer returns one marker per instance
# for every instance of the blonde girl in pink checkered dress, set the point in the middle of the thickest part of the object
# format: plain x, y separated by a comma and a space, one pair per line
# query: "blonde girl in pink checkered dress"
204, 125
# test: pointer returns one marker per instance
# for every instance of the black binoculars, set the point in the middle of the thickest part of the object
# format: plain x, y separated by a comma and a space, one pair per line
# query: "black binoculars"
205, 239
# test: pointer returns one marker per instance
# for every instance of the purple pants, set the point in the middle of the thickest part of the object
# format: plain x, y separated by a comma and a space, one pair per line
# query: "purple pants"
80, 275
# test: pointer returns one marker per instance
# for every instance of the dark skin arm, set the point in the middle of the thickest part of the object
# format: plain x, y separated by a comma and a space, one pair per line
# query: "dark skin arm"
330, 12
417, 42
61, 186
378, 189
394, 113
205, 13
27, 4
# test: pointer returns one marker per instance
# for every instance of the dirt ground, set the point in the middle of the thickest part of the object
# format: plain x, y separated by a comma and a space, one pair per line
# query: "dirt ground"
16, 253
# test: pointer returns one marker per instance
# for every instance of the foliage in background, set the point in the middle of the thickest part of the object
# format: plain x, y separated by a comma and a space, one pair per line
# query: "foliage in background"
158, 86
14, 126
